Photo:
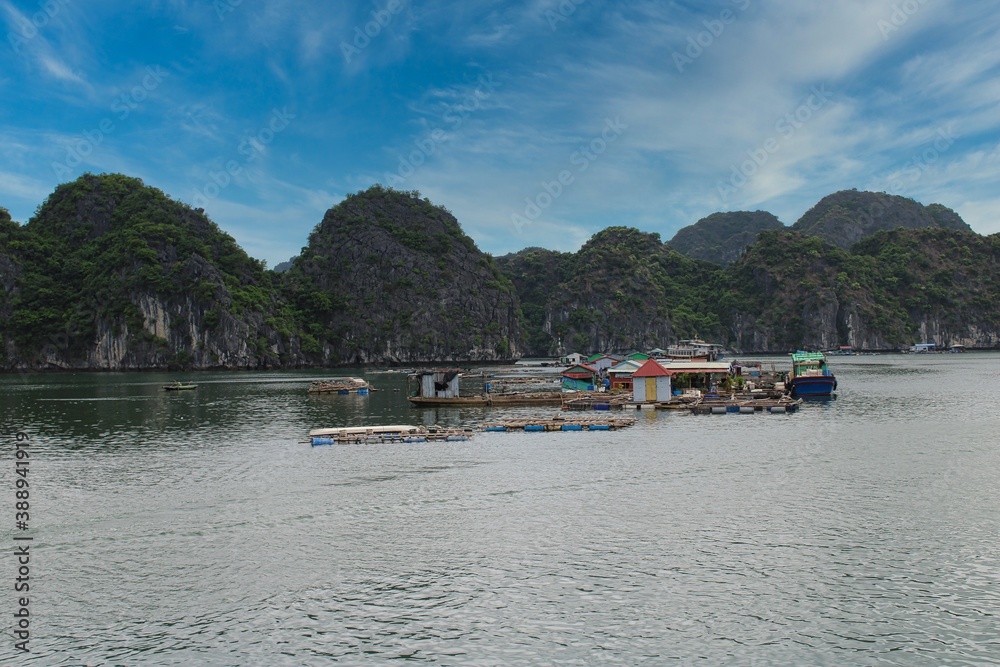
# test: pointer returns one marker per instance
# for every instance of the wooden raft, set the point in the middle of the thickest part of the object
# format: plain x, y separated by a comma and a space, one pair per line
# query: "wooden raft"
559, 423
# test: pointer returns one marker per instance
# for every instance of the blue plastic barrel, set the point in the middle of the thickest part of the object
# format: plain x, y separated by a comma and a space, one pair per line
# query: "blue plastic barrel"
600, 427
496, 428
572, 427
534, 427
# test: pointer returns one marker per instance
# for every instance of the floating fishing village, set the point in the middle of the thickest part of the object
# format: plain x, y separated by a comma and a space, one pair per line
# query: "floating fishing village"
691, 376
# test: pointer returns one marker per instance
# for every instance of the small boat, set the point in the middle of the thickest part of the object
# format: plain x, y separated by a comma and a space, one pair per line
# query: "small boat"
179, 386
810, 375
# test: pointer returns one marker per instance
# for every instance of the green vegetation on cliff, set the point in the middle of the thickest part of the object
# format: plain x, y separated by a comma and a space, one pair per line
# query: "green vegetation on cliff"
112, 274
846, 217
624, 289
106, 257
722, 237
388, 276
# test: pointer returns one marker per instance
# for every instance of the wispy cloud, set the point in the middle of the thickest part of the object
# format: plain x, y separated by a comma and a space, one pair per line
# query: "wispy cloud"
412, 94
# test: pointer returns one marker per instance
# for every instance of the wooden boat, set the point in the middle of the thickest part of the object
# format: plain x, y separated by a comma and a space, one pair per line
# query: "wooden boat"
488, 400
178, 386
810, 375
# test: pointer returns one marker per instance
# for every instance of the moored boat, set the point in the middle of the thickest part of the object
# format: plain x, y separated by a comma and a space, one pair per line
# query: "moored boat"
810, 375
694, 350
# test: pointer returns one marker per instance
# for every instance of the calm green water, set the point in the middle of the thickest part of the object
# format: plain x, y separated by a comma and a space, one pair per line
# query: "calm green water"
199, 528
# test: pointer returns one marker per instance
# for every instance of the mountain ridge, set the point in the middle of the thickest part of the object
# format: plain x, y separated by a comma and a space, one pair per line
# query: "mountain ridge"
387, 277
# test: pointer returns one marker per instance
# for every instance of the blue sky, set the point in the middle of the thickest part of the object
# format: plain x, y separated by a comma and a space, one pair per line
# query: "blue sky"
537, 123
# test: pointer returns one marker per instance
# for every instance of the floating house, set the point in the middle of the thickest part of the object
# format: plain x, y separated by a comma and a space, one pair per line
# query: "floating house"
651, 382
924, 348
637, 356
603, 362
621, 374
572, 359
703, 375
581, 377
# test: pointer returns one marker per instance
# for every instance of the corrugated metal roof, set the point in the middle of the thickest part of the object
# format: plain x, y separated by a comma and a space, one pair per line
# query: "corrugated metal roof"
627, 367
649, 369
675, 367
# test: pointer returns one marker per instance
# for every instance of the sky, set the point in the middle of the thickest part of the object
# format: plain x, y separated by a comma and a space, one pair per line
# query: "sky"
536, 122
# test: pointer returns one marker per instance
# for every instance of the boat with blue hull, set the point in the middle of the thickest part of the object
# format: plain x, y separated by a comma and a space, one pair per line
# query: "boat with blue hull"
811, 376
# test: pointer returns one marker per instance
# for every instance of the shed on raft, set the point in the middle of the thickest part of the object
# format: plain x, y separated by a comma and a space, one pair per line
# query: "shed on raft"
650, 383
439, 383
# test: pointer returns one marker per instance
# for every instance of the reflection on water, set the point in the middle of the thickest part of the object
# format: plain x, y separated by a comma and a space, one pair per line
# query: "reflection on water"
201, 528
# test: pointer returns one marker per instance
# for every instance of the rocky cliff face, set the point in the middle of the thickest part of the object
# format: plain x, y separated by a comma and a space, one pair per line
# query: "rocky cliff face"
623, 290
389, 277
895, 288
846, 217
113, 275
722, 237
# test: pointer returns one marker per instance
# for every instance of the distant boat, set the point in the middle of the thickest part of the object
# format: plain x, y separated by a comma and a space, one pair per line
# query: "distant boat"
179, 386
810, 375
